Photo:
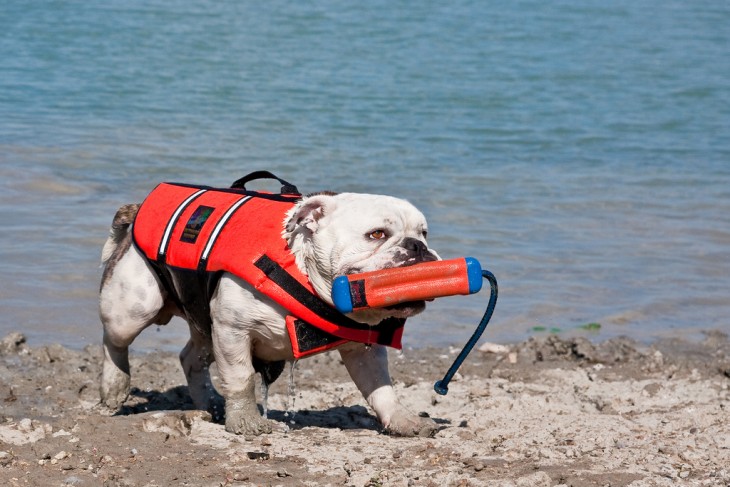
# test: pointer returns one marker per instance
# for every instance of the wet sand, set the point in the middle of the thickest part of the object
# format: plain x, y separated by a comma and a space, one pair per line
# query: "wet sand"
545, 412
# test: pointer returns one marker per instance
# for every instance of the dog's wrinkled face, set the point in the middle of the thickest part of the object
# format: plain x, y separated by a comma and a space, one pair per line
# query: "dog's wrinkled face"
337, 234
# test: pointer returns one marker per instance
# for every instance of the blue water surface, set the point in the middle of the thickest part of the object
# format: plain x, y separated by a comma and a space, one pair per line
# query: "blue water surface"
579, 149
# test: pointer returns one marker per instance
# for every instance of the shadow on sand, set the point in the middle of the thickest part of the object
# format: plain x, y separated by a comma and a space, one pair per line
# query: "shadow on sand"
178, 399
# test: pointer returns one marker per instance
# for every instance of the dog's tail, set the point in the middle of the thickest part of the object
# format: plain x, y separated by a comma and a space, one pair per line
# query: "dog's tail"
124, 217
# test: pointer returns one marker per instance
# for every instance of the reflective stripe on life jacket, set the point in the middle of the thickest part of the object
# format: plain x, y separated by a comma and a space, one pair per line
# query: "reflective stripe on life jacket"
189, 230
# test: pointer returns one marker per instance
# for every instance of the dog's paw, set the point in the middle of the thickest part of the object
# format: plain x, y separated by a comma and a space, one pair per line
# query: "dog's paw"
247, 425
103, 410
114, 386
113, 394
242, 420
408, 424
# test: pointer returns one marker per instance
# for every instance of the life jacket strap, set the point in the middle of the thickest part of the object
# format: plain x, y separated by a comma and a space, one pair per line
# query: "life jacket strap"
295, 289
309, 340
382, 333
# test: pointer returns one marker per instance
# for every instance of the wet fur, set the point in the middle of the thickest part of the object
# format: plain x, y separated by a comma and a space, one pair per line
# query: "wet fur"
248, 333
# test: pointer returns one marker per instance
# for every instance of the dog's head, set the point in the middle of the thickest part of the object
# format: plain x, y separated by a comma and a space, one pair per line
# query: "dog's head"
339, 234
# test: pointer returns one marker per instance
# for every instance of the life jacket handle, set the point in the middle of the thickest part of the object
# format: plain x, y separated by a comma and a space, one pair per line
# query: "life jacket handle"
286, 187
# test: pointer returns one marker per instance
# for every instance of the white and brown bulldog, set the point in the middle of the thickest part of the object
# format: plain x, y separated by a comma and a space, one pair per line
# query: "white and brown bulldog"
329, 235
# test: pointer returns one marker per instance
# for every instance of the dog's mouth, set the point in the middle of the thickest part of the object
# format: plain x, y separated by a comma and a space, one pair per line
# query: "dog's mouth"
405, 309
392, 265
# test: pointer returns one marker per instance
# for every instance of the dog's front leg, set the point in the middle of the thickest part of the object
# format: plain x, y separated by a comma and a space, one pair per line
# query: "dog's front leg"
233, 355
368, 367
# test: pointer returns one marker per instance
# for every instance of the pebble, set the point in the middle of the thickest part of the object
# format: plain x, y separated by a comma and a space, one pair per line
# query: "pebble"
5, 458
488, 347
666, 450
60, 455
688, 456
25, 425
658, 358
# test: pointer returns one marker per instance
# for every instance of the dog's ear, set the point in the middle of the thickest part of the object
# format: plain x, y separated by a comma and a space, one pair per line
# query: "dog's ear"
308, 212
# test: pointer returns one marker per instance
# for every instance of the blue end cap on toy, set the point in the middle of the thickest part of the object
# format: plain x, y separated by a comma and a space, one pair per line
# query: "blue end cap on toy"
474, 273
341, 294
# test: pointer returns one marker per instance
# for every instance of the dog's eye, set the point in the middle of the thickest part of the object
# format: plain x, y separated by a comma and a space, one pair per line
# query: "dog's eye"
425, 233
377, 235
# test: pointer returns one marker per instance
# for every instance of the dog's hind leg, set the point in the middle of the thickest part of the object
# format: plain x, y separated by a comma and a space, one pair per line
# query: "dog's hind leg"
196, 358
131, 299
233, 356
236, 314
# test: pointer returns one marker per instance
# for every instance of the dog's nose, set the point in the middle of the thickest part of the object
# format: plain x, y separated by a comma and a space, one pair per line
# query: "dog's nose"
418, 248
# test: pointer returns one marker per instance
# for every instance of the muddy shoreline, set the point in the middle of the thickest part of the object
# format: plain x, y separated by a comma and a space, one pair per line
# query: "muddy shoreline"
548, 411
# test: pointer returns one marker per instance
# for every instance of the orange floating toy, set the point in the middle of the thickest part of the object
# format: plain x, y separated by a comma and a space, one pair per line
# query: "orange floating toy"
428, 280
388, 287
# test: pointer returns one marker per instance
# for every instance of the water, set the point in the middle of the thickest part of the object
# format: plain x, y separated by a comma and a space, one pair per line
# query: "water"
579, 150
291, 395
264, 398
291, 390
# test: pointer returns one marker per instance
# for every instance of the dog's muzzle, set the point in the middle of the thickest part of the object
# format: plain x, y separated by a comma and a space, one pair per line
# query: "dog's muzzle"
413, 251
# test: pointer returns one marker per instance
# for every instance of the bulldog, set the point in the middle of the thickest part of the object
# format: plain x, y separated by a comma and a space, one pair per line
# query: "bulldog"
245, 332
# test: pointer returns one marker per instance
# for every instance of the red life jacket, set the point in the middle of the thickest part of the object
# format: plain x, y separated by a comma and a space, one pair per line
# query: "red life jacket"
192, 234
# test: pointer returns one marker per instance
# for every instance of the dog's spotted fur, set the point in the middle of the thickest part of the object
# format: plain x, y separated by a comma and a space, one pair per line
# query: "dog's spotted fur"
328, 234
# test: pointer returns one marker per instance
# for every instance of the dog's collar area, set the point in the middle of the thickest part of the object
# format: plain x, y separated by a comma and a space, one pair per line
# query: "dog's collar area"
307, 339
324, 326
